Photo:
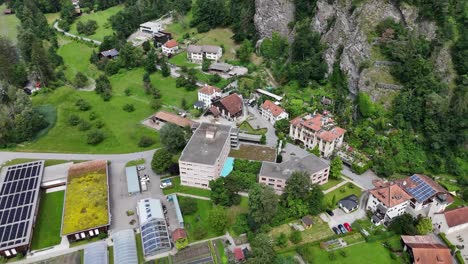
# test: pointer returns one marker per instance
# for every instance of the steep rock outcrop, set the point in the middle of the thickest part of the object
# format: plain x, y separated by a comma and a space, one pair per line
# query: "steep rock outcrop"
273, 16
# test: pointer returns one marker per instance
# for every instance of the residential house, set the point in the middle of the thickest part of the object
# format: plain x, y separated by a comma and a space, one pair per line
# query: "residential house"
196, 53
307, 222
451, 221
151, 27
417, 195
161, 37
204, 155
170, 47
426, 250
230, 107
154, 232
110, 54
273, 112
349, 203
276, 174
206, 95
317, 130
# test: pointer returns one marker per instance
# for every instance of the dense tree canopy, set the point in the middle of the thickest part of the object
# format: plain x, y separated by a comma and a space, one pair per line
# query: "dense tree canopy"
172, 137
263, 204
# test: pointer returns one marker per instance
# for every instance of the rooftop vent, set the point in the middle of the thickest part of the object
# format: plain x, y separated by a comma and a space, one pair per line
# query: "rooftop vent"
210, 132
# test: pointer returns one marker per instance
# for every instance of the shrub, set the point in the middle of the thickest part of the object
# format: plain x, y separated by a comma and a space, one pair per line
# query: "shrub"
332, 256
83, 105
295, 236
128, 108
282, 240
343, 253
199, 232
92, 116
145, 141
73, 120
102, 235
99, 124
95, 137
80, 80
188, 206
130, 213
128, 92
215, 78
84, 125
155, 104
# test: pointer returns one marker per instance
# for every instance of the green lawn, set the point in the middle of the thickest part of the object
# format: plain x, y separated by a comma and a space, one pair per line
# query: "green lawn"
110, 252
171, 95
181, 60
135, 162
177, 188
182, 27
218, 37
76, 58
49, 221
122, 129
363, 253
206, 78
101, 17
340, 193
47, 162
331, 183
139, 246
8, 25
250, 130
199, 220
51, 17
222, 254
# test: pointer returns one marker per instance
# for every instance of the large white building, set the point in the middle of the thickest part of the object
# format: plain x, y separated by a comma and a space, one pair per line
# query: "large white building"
317, 131
204, 155
273, 112
196, 53
207, 94
417, 195
151, 27
451, 221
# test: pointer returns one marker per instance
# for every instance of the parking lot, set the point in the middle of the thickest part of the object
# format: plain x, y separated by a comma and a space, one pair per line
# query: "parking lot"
341, 217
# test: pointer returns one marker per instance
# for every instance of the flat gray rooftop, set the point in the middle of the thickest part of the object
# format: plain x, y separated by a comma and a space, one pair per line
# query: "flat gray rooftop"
206, 144
56, 172
310, 164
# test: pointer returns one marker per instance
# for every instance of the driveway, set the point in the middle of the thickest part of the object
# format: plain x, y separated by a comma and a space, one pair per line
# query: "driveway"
75, 36
341, 217
271, 138
364, 180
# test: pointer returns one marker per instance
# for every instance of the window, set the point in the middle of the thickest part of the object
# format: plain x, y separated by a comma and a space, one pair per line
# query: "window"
278, 185
263, 179
271, 180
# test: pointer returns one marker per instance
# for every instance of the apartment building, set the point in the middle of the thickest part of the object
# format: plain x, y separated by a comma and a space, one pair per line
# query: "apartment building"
273, 112
207, 94
317, 130
204, 155
276, 174
416, 195
196, 53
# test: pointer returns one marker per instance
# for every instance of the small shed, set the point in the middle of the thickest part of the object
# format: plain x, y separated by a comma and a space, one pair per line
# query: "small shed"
239, 254
349, 203
133, 184
110, 54
307, 222
8, 11
180, 238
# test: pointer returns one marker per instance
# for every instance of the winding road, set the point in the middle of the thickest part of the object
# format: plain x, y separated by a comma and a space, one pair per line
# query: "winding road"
97, 42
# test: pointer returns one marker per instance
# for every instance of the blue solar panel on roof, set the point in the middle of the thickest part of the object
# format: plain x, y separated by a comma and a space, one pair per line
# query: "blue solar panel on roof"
422, 191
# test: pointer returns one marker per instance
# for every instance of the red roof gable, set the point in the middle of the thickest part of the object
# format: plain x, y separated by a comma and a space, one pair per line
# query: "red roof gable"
274, 109
239, 254
208, 89
232, 103
457, 216
391, 195
179, 233
171, 44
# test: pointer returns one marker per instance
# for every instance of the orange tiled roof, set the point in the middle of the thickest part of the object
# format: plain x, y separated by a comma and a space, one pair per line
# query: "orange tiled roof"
232, 103
391, 195
274, 109
426, 250
208, 89
457, 216
171, 43
315, 123
173, 118
178, 234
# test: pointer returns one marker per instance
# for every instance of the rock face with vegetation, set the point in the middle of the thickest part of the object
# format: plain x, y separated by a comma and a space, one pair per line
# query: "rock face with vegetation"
273, 15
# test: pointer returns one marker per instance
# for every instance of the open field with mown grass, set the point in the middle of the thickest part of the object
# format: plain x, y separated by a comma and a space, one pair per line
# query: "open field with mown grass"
49, 221
8, 25
340, 193
101, 17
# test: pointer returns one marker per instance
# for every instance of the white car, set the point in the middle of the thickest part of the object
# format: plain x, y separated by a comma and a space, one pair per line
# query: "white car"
165, 185
141, 167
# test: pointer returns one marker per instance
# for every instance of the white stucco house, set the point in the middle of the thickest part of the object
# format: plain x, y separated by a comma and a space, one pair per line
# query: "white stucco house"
451, 221
151, 27
196, 53
206, 95
272, 112
170, 47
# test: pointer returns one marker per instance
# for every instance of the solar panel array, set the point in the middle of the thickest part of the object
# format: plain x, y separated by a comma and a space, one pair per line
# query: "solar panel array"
422, 191
18, 198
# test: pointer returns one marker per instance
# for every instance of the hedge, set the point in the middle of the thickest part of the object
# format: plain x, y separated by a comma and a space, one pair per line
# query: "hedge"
447, 242
459, 258
384, 235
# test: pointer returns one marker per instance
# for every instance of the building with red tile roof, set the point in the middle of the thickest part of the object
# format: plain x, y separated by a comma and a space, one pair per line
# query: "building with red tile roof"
272, 112
317, 130
239, 254
426, 250
452, 220
387, 203
230, 107
167, 117
170, 47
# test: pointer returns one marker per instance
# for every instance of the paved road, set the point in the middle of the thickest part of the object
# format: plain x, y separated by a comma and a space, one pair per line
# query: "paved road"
364, 180
271, 138
75, 36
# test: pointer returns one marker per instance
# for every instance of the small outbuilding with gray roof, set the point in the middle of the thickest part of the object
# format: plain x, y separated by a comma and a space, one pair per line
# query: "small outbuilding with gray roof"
349, 203
133, 184
276, 174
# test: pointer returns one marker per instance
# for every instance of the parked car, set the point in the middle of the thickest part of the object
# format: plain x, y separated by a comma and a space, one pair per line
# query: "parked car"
348, 227
165, 184
336, 230
141, 167
330, 213
342, 229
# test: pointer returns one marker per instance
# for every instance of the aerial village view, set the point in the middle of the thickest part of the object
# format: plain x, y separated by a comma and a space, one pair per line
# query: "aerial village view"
234, 131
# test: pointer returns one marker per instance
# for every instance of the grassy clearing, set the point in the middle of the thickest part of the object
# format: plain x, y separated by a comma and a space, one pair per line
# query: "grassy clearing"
246, 127
76, 58
181, 60
51, 17
199, 220
8, 25
101, 17
177, 188
220, 37
49, 220
110, 254
49, 162
135, 162
206, 78
253, 152
318, 231
181, 27
222, 254
139, 246
50, 115
363, 253
330, 183
340, 193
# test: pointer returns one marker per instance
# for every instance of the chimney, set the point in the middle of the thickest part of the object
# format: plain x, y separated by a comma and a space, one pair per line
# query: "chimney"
210, 132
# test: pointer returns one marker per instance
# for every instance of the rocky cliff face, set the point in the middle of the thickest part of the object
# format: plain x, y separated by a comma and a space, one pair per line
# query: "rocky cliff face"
351, 29
273, 15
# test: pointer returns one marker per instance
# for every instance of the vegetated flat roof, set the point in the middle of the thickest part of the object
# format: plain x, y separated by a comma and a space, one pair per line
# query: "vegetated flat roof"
86, 197
133, 184
18, 203
125, 251
206, 144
